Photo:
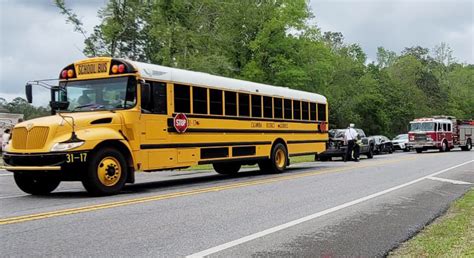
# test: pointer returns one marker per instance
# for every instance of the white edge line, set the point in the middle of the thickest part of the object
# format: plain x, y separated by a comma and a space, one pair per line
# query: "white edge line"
313, 216
13, 196
452, 181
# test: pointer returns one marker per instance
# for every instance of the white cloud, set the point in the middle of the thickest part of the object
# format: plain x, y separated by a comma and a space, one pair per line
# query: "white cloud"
36, 43
399, 24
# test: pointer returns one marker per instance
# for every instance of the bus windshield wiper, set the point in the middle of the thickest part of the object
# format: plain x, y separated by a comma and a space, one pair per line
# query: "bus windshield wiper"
86, 105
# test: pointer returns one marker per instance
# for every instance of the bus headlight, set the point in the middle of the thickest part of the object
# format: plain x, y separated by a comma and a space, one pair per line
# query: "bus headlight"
63, 146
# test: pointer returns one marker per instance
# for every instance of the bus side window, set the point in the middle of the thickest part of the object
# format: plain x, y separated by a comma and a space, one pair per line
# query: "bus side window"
159, 98
199, 100
278, 107
256, 106
321, 112
230, 103
296, 109
288, 110
312, 111
244, 104
267, 107
305, 110
182, 101
449, 127
445, 127
215, 97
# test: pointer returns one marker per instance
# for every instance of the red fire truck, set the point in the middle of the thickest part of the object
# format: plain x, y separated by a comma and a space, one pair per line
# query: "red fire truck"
440, 132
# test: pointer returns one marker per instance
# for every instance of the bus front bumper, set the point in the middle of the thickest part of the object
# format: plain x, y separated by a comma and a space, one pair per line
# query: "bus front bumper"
43, 161
31, 168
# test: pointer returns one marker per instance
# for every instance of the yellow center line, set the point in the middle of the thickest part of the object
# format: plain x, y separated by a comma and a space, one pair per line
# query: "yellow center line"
57, 213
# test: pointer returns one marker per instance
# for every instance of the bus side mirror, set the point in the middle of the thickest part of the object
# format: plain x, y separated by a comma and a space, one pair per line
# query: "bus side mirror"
146, 94
29, 93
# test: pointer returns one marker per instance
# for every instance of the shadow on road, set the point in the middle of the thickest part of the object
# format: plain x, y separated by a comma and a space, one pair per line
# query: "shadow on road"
173, 184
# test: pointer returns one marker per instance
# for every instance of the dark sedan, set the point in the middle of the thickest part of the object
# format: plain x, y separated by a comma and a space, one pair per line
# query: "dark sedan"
382, 144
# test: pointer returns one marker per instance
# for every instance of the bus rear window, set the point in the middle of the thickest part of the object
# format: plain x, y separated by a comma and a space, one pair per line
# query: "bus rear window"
322, 112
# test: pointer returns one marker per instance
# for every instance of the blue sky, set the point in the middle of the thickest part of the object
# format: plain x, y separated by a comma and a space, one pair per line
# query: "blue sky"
36, 43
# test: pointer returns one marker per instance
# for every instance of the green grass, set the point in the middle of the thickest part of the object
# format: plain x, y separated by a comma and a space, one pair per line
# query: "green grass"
451, 235
293, 160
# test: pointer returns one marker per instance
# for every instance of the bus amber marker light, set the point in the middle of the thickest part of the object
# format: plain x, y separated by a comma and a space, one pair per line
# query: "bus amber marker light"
118, 68
180, 122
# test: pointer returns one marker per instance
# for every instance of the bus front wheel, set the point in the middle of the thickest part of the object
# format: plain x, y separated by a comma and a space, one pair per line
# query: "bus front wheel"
38, 184
227, 168
278, 160
106, 172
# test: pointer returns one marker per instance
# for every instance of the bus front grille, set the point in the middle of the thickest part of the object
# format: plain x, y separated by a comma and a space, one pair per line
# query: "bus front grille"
34, 139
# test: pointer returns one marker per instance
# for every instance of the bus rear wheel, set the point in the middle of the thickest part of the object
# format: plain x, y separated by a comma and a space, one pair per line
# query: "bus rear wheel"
278, 160
106, 172
36, 184
227, 168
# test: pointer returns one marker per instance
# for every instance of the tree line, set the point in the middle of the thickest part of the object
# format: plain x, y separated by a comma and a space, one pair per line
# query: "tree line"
19, 105
277, 42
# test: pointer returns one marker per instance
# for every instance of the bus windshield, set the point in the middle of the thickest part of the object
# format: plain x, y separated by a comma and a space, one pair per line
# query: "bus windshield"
425, 126
100, 94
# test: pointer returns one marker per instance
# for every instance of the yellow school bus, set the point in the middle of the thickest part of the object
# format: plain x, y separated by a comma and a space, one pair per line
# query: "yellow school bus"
113, 117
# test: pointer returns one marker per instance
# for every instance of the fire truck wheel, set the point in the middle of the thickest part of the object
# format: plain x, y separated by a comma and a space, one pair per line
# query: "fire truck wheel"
39, 184
227, 168
106, 172
444, 147
419, 150
468, 146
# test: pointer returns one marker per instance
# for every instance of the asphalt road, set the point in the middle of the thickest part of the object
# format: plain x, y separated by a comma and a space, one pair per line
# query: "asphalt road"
313, 209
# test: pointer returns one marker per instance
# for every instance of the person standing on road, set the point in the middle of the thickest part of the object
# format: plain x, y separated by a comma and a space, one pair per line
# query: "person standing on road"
351, 137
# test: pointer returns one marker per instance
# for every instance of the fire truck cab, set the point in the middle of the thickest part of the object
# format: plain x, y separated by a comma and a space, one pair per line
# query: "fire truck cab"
440, 132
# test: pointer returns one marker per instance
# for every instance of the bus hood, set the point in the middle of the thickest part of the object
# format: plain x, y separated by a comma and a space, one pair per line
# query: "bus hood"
40, 134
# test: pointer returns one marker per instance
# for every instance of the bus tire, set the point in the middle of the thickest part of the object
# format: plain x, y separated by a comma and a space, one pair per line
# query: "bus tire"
106, 172
278, 160
468, 145
419, 150
38, 184
227, 168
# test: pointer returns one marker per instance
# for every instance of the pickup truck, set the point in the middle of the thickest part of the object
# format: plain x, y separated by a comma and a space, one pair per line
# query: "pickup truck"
336, 147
